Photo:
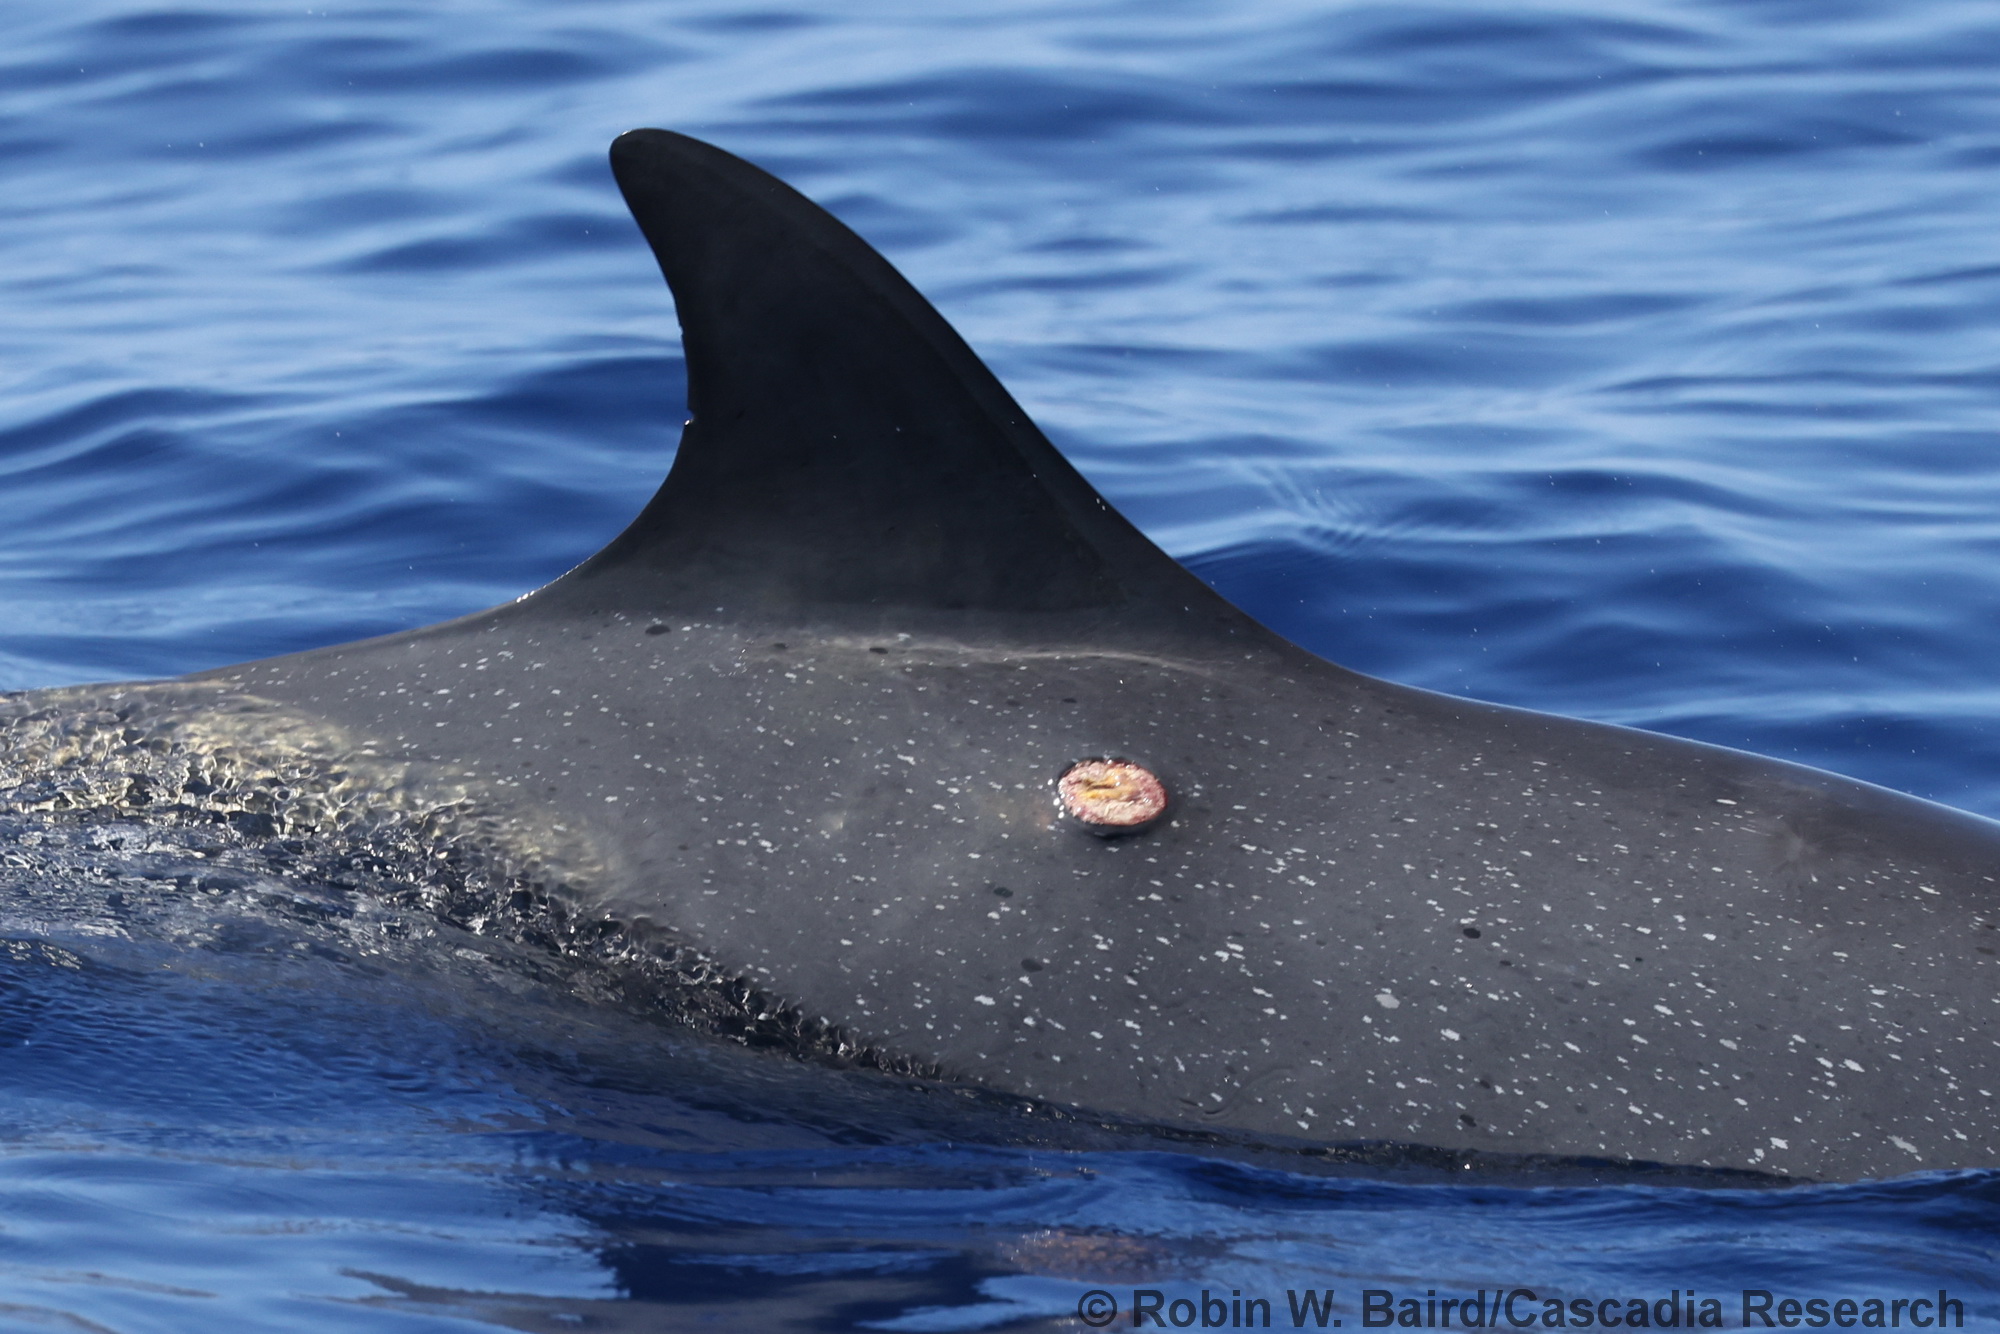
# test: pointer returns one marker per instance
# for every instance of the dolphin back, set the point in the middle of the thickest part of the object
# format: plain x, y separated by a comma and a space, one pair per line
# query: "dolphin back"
803, 730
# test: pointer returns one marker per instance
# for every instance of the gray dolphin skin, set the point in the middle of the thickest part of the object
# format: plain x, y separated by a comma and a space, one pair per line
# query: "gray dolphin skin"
800, 727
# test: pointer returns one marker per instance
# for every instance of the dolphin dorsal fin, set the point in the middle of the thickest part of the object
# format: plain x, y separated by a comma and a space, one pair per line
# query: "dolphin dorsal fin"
845, 445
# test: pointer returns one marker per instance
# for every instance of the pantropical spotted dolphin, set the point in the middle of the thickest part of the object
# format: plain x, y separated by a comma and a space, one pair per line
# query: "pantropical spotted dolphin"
811, 730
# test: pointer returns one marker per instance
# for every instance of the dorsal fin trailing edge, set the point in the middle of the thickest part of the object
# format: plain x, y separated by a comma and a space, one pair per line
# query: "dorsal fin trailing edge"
846, 446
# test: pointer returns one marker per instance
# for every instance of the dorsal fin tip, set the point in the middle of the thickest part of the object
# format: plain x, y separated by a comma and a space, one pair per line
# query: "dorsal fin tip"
845, 445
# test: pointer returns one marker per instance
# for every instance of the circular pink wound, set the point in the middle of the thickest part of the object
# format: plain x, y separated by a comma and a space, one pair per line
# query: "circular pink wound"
1111, 794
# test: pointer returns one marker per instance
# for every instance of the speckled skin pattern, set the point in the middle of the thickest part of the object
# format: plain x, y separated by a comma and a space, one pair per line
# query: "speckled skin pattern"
807, 714
1375, 913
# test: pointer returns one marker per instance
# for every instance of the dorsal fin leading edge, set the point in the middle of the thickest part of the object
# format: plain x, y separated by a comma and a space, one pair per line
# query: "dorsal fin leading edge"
846, 446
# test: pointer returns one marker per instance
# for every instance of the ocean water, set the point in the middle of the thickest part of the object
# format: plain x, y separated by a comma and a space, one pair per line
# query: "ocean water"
1634, 360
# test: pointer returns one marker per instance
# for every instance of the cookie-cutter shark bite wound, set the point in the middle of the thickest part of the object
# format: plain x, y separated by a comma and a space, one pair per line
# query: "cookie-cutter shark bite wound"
1111, 796
798, 725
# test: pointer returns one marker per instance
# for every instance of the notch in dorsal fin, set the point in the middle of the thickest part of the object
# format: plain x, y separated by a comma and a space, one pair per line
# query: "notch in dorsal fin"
845, 446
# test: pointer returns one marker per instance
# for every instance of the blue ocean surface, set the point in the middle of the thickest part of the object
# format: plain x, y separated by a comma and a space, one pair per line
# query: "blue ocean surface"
1632, 359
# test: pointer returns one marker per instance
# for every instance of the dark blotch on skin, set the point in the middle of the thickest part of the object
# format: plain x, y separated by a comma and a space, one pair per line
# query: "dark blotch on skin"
1472, 933
1031, 965
875, 648
1003, 891
657, 629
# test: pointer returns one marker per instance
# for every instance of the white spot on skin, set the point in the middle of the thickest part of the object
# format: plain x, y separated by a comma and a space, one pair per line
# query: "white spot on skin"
1386, 1001
985, 1000
1450, 1033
